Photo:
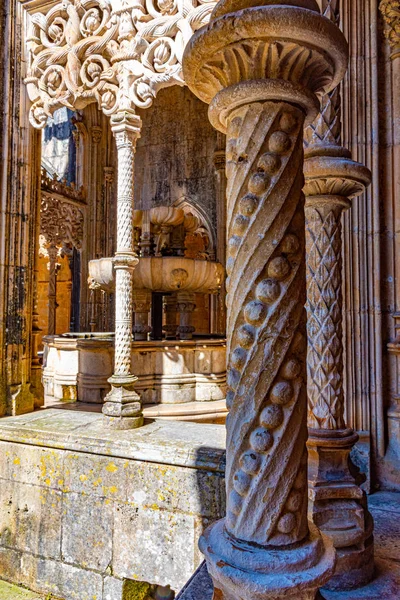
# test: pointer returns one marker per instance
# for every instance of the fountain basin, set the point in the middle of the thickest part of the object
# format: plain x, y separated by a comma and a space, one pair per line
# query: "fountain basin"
77, 367
162, 274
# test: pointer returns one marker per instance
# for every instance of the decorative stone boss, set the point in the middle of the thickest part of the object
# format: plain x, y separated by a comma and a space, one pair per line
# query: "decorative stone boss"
260, 65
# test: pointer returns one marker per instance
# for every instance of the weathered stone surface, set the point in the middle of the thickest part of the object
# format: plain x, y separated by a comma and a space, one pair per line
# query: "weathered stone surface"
100, 508
37, 466
12, 592
112, 588
188, 445
95, 475
10, 565
30, 518
60, 579
174, 489
199, 586
149, 544
87, 531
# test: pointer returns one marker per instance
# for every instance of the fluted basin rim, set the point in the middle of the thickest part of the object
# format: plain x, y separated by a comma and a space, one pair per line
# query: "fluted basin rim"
164, 274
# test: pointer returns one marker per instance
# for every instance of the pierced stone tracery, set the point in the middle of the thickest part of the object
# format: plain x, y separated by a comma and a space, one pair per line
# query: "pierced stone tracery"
113, 52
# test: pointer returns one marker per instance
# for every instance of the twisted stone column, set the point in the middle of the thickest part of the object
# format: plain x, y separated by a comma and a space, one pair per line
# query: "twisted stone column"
259, 68
337, 505
122, 407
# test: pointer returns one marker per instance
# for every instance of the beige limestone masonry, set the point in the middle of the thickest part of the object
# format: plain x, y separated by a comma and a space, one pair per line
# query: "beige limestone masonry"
81, 508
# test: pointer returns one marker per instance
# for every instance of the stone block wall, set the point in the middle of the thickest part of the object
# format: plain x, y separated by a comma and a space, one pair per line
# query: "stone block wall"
76, 524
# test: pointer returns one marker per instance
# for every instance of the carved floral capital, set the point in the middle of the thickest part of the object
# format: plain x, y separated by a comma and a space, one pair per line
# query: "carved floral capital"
117, 53
391, 14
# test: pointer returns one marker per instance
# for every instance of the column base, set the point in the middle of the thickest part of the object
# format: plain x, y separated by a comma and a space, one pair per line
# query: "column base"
242, 571
122, 408
338, 507
354, 567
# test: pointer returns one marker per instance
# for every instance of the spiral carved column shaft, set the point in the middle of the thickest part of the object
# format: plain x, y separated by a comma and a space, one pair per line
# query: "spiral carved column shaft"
122, 405
266, 326
256, 69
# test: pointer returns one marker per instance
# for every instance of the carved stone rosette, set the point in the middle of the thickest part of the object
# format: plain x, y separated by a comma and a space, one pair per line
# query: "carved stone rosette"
122, 406
259, 69
337, 505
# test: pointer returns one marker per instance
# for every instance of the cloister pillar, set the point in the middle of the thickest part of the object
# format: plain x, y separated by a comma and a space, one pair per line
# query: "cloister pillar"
337, 505
259, 68
170, 310
186, 304
52, 293
141, 308
122, 407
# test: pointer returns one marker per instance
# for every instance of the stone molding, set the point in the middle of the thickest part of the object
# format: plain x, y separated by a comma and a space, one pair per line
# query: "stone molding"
52, 184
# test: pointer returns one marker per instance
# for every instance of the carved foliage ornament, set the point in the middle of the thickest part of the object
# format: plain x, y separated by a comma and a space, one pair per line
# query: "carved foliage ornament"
52, 184
117, 53
391, 13
61, 223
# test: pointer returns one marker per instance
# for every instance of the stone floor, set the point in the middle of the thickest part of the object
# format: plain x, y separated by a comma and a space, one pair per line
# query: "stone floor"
385, 508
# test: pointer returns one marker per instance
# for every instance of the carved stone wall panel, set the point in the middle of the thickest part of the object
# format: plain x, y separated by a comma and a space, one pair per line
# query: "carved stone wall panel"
19, 185
174, 156
61, 222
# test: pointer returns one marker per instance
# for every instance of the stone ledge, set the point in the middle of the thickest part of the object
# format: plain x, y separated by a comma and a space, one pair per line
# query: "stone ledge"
199, 587
200, 446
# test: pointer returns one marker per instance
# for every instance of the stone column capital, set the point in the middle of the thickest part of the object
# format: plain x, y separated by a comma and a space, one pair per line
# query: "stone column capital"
126, 126
390, 10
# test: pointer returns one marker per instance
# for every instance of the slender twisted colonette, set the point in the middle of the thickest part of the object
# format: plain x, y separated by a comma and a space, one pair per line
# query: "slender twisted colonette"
337, 504
260, 66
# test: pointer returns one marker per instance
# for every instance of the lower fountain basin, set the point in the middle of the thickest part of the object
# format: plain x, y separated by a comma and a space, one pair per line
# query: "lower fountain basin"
77, 367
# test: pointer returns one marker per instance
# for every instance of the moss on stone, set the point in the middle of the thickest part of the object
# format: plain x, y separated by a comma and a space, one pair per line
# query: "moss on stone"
135, 590
9, 591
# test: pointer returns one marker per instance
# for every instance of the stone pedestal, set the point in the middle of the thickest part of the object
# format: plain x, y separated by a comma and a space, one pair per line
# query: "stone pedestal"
259, 68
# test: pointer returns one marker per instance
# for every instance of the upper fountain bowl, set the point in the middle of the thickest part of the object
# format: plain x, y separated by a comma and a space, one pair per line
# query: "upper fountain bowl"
162, 274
